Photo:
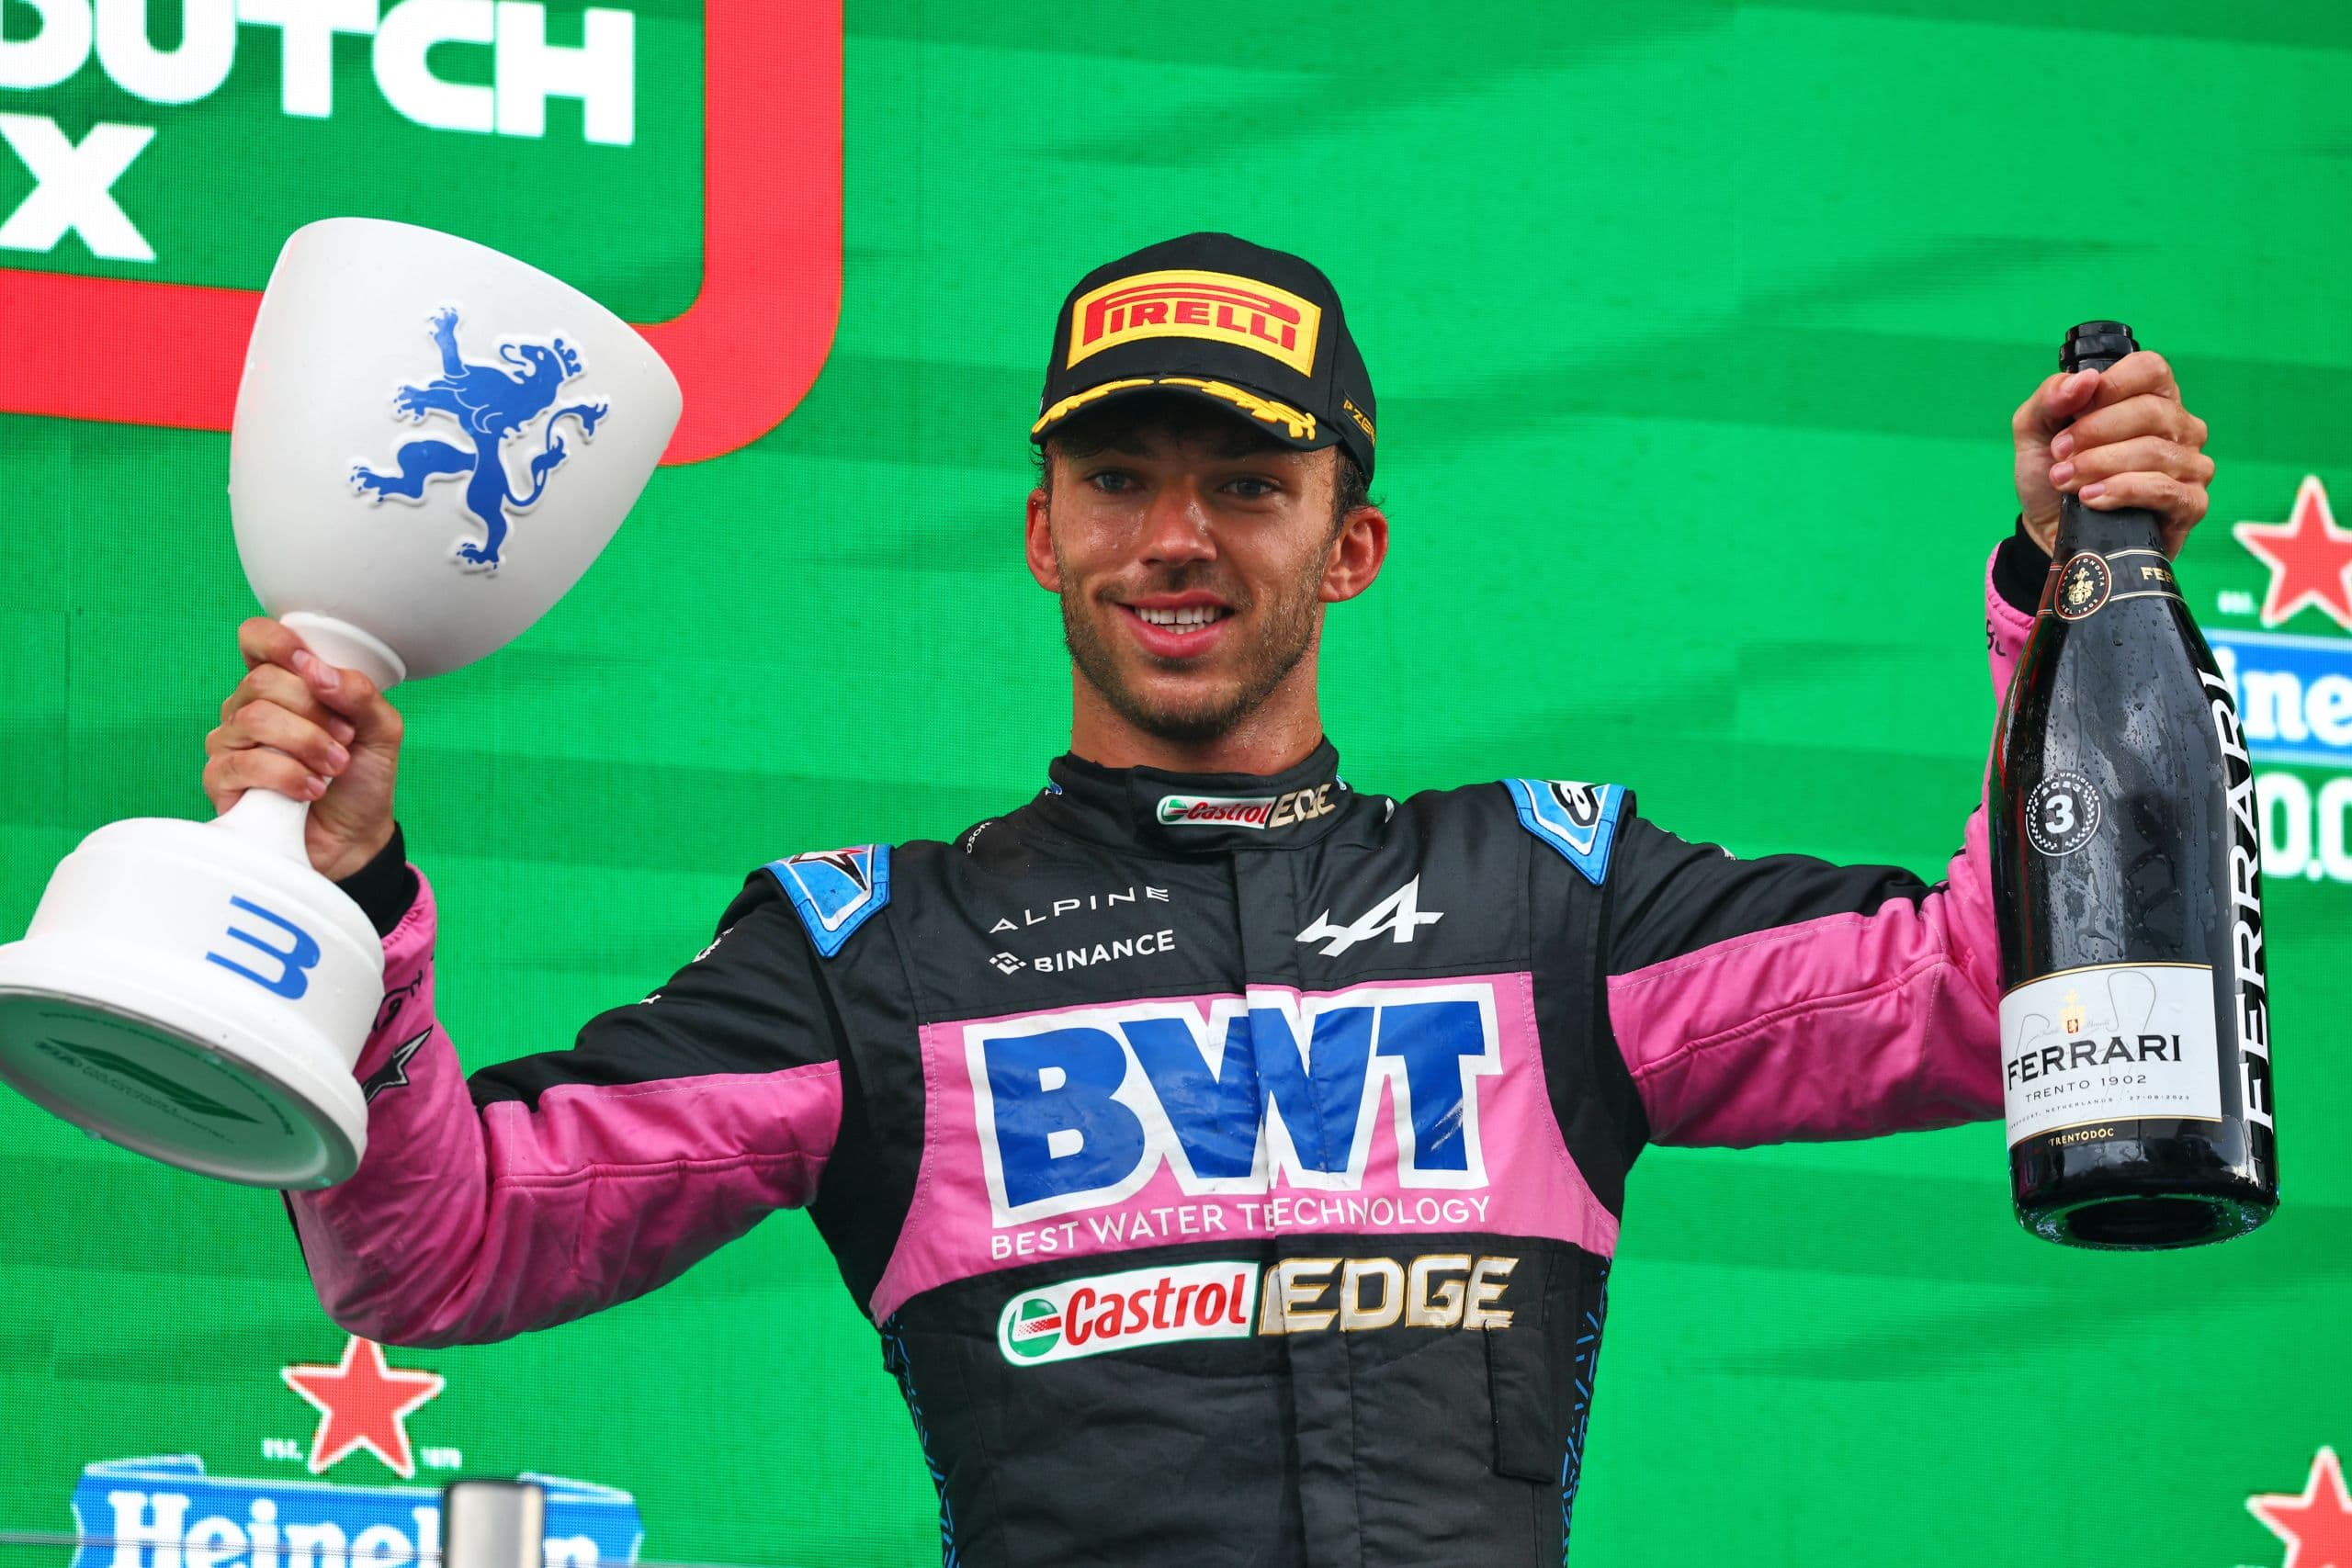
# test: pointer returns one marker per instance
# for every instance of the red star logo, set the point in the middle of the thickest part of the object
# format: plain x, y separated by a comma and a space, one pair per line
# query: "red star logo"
2317, 1525
363, 1404
2307, 555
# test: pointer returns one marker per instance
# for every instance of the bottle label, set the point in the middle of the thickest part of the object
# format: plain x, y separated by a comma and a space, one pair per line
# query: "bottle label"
2084, 583
2083, 1048
2253, 1020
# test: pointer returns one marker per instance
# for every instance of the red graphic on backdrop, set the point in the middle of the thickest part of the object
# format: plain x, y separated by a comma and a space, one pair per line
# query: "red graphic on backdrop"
2309, 557
2317, 1525
362, 1404
745, 353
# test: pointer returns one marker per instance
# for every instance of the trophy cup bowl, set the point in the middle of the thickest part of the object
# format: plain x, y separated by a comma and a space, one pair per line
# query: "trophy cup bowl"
431, 442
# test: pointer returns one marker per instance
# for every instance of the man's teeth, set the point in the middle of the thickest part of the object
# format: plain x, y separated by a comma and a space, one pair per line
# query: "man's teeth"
1190, 615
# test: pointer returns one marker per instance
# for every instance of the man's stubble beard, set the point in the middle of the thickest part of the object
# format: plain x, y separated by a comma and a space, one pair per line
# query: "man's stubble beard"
1289, 633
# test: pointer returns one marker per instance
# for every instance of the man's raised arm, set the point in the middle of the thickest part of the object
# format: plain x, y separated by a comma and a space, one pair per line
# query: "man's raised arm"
556, 1184
1784, 998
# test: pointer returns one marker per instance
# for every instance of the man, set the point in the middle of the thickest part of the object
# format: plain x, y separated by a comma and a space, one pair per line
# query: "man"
1230, 1159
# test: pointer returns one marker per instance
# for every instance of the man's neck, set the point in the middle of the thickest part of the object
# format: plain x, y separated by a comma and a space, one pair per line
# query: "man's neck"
1273, 737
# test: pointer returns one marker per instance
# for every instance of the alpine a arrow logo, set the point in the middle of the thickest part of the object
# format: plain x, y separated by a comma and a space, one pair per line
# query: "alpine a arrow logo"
1400, 914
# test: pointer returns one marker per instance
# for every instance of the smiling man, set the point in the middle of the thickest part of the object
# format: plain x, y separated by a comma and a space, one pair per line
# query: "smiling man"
1231, 1159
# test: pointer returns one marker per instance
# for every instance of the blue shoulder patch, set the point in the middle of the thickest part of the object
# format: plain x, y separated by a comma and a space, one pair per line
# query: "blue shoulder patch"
836, 891
1577, 819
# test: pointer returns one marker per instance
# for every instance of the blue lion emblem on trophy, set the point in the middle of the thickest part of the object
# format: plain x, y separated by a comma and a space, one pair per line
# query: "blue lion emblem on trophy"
492, 403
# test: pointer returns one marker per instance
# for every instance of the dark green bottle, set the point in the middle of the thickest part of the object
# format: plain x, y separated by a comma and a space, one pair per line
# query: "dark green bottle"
2126, 879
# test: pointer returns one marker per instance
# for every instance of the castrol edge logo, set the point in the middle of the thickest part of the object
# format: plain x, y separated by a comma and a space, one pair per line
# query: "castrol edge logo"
1118, 1312
1254, 811
1217, 306
1101, 1312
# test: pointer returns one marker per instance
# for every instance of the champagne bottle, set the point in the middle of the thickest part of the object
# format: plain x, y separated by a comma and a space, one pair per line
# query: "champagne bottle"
2126, 880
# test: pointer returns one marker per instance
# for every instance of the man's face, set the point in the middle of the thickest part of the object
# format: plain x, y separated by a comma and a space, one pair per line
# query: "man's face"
1190, 562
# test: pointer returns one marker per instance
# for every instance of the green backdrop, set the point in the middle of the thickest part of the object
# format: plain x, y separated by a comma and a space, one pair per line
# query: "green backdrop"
1696, 326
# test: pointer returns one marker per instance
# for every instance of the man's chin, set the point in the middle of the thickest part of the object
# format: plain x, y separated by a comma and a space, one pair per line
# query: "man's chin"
1186, 700
1193, 711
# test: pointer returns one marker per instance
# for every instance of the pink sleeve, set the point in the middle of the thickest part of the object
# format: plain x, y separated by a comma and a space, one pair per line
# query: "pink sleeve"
1839, 1023
465, 1224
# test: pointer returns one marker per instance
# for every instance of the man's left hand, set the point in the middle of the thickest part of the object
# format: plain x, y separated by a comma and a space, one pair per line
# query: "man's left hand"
2132, 444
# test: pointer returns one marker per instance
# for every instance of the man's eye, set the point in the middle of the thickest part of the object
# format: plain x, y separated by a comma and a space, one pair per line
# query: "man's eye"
1253, 490
1111, 481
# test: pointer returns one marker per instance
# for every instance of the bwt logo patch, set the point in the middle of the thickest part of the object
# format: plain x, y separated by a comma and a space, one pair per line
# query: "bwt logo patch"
1079, 1109
1217, 306
491, 403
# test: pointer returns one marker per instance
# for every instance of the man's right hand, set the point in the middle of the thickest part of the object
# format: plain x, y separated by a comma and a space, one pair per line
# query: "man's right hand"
299, 725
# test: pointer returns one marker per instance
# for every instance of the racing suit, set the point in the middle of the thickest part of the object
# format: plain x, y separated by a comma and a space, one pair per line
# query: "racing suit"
1231, 1165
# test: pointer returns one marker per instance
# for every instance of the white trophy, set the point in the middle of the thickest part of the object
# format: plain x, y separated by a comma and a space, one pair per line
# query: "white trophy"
431, 442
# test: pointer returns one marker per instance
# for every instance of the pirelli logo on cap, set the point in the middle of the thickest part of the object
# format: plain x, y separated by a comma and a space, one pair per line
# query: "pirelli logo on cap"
1217, 306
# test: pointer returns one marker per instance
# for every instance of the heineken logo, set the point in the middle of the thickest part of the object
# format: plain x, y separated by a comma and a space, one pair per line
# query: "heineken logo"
169, 1512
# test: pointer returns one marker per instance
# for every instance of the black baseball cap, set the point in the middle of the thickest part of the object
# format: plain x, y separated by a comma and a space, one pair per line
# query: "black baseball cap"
1250, 330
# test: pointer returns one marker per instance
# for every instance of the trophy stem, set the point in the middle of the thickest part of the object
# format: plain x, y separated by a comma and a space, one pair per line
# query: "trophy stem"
274, 822
346, 646
271, 821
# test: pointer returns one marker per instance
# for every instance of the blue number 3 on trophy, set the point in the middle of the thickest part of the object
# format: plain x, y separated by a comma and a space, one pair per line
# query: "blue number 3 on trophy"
294, 964
491, 404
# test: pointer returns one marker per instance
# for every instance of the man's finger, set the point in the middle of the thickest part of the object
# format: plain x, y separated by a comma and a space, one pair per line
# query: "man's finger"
276, 684
2156, 492
2149, 414
2149, 453
232, 773
266, 724
265, 641
2056, 401
2144, 373
352, 694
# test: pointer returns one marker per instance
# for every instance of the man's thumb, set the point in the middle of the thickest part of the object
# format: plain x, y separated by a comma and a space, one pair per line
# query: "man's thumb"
2056, 403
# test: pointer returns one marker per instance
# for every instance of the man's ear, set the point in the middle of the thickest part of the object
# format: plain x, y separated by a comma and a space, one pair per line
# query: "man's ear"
1038, 542
1357, 554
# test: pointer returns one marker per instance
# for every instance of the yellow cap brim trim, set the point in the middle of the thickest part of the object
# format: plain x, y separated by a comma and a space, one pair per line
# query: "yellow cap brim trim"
1296, 425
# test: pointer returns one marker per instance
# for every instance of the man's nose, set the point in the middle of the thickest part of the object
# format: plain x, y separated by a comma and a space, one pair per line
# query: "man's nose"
1176, 526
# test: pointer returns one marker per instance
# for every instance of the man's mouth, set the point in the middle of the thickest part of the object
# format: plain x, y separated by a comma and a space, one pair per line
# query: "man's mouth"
1190, 615
1177, 626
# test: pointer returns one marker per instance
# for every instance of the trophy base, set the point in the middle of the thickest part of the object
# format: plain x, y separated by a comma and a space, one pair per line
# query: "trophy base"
154, 1069
195, 996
